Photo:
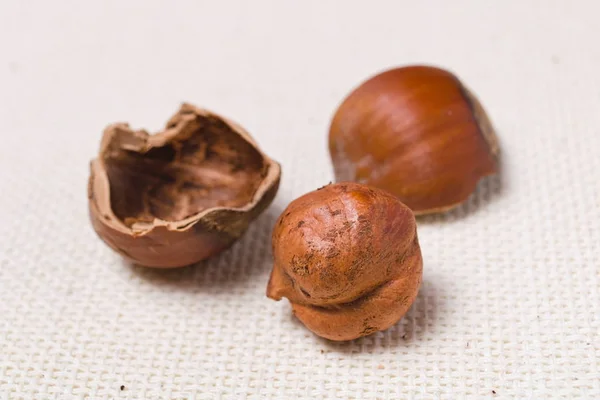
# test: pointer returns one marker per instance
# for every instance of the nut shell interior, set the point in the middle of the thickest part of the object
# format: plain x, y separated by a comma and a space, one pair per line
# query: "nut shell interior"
203, 177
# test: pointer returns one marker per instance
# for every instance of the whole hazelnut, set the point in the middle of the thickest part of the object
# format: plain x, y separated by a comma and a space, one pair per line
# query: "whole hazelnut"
181, 195
416, 132
347, 258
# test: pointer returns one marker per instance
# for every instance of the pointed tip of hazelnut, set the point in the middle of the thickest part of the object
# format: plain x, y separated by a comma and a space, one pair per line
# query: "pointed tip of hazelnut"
484, 123
276, 285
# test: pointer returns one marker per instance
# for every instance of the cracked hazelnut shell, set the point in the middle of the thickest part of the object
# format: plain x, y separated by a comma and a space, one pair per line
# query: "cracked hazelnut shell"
181, 195
416, 132
347, 257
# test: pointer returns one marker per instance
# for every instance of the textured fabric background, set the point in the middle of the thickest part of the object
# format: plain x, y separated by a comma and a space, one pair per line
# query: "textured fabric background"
510, 305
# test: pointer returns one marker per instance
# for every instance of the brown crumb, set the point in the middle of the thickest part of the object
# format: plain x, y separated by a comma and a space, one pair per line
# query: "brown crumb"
404, 336
122, 387
322, 351
493, 391
324, 186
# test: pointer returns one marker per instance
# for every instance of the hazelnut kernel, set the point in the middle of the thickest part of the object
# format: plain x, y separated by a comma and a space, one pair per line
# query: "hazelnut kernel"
348, 259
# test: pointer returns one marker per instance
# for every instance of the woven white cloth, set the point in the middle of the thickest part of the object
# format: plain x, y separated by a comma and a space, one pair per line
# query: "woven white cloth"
510, 305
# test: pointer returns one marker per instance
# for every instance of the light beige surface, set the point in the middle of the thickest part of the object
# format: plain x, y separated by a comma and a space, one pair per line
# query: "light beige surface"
511, 298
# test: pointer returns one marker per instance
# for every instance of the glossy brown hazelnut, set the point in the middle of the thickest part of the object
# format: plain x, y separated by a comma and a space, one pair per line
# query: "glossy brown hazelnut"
348, 259
181, 195
416, 132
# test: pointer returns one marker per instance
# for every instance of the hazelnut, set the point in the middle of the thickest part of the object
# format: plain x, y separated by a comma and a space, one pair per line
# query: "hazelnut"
347, 258
416, 132
181, 195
